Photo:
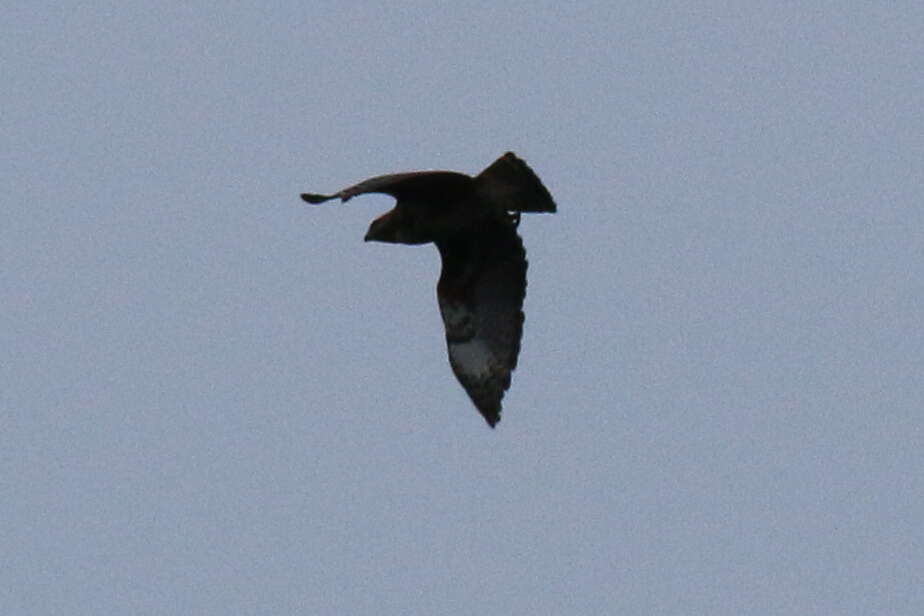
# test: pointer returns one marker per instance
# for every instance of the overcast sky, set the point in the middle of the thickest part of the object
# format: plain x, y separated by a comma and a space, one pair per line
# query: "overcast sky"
216, 399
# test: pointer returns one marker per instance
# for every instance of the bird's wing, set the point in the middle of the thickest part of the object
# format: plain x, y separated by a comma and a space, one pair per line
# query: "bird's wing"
481, 291
510, 184
423, 183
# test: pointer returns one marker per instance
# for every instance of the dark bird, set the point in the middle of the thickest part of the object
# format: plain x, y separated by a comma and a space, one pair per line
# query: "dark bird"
473, 222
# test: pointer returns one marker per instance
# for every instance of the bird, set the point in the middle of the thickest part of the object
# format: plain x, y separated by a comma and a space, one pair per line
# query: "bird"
473, 222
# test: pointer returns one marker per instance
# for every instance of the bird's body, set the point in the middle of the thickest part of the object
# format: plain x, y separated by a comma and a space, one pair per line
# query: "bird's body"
473, 222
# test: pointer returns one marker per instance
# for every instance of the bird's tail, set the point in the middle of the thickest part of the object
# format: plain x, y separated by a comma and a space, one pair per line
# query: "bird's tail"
510, 183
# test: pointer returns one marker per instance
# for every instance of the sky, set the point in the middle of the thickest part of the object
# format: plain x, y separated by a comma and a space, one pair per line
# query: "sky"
216, 399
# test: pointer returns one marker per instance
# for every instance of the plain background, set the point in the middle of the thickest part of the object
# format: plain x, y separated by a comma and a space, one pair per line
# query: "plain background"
215, 399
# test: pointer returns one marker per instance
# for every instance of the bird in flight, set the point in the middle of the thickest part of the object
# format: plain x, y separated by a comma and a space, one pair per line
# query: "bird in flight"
473, 222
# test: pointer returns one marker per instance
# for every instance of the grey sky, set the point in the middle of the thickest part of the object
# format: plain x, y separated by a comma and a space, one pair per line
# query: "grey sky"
215, 399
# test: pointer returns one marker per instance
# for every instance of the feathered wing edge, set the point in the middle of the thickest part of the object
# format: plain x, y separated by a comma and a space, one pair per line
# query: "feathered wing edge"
425, 184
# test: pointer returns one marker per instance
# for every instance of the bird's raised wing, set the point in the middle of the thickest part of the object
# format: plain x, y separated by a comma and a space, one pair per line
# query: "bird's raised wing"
423, 184
510, 184
481, 291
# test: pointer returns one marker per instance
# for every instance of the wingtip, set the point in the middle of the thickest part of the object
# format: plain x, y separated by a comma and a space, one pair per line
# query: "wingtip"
490, 413
312, 198
491, 416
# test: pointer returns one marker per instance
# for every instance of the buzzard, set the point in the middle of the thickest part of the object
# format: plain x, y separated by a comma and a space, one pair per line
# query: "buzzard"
473, 222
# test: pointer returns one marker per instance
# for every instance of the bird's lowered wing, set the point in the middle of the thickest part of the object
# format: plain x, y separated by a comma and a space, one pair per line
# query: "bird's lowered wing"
480, 292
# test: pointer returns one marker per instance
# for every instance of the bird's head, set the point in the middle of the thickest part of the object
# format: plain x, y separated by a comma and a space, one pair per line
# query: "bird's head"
393, 227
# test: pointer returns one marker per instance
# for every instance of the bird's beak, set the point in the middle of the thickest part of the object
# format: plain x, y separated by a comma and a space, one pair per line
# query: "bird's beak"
375, 232
369, 232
